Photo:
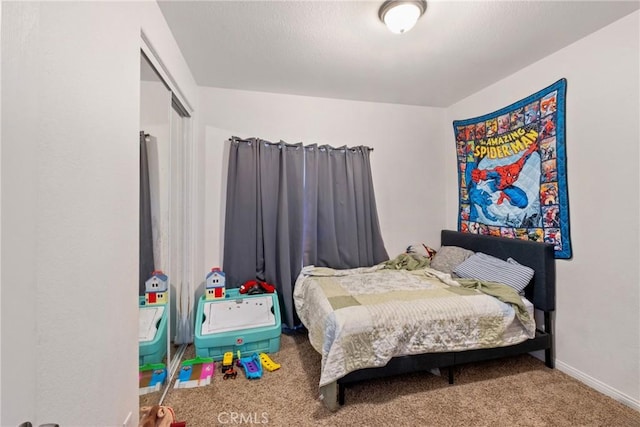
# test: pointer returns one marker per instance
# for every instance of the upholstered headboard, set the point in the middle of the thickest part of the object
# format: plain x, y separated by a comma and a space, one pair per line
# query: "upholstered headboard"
539, 256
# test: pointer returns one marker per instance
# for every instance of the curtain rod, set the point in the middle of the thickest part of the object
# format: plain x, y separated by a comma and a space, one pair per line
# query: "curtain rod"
235, 138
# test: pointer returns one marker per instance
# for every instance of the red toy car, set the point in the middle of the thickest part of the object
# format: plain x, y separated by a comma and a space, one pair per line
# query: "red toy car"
252, 287
230, 373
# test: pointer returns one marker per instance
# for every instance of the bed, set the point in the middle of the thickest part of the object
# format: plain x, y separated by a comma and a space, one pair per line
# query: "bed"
361, 337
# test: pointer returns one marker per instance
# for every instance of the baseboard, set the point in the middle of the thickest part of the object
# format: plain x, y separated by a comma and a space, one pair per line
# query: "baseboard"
598, 385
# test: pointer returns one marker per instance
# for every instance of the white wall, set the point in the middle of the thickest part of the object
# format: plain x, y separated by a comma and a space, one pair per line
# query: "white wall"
406, 162
70, 114
18, 214
0, 218
598, 300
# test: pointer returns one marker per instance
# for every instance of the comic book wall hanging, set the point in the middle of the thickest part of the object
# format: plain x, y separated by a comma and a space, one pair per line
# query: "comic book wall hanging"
512, 171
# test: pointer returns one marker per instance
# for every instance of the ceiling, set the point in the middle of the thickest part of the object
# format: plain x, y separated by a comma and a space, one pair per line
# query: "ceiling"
340, 49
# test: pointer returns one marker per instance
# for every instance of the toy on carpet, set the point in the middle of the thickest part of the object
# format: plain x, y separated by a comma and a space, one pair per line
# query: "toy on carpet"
195, 372
159, 416
151, 377
227, 361
252, 366
230, 373
267, 363
227, 366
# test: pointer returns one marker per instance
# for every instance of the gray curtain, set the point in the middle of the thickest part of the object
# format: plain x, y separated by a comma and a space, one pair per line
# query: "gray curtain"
146, 237
263, 223
341, 219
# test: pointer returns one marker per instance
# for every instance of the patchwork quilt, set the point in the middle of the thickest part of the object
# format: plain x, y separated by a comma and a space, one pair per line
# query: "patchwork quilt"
361, 318
512, 171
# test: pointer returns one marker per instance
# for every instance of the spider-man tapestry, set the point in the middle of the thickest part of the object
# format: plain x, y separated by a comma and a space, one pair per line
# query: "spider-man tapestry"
512, 171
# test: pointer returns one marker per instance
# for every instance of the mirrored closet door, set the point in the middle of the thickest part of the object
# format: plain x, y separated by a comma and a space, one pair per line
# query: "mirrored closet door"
162, 144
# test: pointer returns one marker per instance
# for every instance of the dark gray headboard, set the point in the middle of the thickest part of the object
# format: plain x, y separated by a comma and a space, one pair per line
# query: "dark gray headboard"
539, 256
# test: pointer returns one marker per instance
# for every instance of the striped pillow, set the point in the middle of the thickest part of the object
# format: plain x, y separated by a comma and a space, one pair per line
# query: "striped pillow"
485, 267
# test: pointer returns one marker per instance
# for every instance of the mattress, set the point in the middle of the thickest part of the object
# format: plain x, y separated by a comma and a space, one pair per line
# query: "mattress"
513, 332
361, 318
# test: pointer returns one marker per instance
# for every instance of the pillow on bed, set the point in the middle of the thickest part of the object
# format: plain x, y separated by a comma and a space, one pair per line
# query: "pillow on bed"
448, 257
421, 249
491, 269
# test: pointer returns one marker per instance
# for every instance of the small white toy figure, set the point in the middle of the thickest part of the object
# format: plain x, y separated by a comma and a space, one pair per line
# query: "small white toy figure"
156, 288
215, 284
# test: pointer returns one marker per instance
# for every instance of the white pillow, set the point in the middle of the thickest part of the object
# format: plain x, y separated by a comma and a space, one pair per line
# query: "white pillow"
491, 269
448, 257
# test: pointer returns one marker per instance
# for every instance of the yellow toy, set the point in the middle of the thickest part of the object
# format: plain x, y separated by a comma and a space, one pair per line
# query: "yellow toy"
227, 359
267, 363
227, 366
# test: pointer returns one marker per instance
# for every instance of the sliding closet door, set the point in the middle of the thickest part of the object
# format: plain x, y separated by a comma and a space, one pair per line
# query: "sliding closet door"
181, 256
155, 172
173, 177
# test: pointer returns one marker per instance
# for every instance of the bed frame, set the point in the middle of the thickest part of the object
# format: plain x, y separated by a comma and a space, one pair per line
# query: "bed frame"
541, 292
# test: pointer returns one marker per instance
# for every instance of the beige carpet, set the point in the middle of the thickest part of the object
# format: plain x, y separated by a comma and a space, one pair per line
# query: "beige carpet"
516, 391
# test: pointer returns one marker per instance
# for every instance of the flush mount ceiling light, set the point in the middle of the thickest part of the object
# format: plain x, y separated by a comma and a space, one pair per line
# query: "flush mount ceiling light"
400, 16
